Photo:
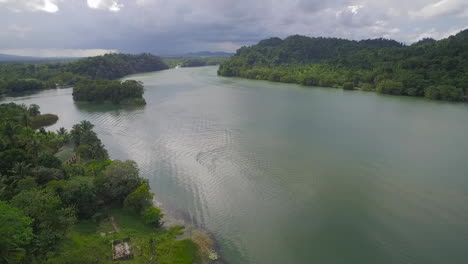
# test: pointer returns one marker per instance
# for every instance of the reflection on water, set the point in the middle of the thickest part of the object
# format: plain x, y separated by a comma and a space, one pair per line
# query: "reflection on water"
285, 174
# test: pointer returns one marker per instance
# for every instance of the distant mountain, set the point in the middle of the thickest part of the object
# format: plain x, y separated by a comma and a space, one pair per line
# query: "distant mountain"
202, 54
7, 58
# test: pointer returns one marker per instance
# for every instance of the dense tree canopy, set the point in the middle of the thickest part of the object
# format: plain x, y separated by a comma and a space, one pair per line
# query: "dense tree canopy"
117, 92
42, 198
434, 69
21, 77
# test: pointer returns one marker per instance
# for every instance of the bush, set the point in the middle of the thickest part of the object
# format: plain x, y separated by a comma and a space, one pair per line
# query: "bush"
152, 216
444, 92
140, 199
348, 86
15, 233
390, 87
367, 87
118, 180
49, 161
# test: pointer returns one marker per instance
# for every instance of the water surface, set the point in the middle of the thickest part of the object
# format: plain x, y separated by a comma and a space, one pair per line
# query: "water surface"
285, 174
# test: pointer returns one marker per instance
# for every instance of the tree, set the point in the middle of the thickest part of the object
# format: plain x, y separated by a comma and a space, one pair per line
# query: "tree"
49, 161
444, 92
119, 180
51, 218
33, 110
10, 130
348, 86
80, 193
152, 216
140, 199
390, 87
15, 233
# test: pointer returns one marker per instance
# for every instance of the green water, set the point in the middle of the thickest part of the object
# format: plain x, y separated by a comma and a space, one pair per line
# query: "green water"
284, 174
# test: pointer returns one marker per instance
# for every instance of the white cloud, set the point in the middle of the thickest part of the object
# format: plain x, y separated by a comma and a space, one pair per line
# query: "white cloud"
111, 5
57, 52
49, 6
437, 34
441, 8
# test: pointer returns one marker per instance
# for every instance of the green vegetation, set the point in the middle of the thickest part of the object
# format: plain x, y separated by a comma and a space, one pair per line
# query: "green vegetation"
433, 69
193, 62
43, 120
69, 210
117, 92
94, 71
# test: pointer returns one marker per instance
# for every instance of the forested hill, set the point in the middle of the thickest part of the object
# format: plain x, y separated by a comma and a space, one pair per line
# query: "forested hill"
113, 66
435, 69
22, 77
301, 49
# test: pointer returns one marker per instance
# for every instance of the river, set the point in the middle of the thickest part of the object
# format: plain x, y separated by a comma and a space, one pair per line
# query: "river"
280, 173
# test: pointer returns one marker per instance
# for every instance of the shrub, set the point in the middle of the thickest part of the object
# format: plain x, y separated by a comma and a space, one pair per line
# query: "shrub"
390, 87
49, 161
444, 92
140, 199
348, 86
152, 216
367, 87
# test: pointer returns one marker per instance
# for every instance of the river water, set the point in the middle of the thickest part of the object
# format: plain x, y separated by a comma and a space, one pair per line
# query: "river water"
280, 173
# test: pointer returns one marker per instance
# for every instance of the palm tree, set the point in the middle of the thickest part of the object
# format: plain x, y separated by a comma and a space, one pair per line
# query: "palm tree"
21, 170
10, 130
62, 131
26, 120
86, 125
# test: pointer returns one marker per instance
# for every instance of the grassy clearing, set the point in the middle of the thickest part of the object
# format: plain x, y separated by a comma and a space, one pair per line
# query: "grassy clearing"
43, 120
86, 242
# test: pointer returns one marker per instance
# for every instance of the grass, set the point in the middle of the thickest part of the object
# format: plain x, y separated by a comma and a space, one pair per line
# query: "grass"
86, 244
43, 120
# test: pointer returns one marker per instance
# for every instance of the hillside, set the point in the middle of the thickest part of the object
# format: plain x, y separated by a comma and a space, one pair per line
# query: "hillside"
434, 69
20, 77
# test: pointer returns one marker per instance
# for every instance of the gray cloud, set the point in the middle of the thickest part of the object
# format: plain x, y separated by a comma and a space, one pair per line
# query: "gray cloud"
174, 26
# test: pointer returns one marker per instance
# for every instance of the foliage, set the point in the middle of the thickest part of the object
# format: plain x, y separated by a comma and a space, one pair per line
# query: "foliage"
193, 62
108, 90
46, 197
118, 180
15, 233
348, 86
89, 146
51, 218
437, 68
34, 110
444, 92
43, 120
140, 199
80, 193
117, 65
152, 216
18, 77
390, 87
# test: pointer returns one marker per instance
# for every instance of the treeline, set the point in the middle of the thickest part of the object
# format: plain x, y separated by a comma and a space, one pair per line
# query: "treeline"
114, 66
45, 201
117, 92
434, 69
29, 77
193, 62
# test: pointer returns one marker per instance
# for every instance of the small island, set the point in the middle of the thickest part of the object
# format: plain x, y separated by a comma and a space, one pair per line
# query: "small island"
128, 92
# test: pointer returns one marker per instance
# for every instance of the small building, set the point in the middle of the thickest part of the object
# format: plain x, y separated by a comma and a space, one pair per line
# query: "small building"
122, 250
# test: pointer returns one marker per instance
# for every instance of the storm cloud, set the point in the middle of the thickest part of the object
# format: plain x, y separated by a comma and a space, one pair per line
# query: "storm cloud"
89, 27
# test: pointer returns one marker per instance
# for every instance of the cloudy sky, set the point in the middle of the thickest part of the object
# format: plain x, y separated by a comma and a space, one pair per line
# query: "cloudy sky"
91, 27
